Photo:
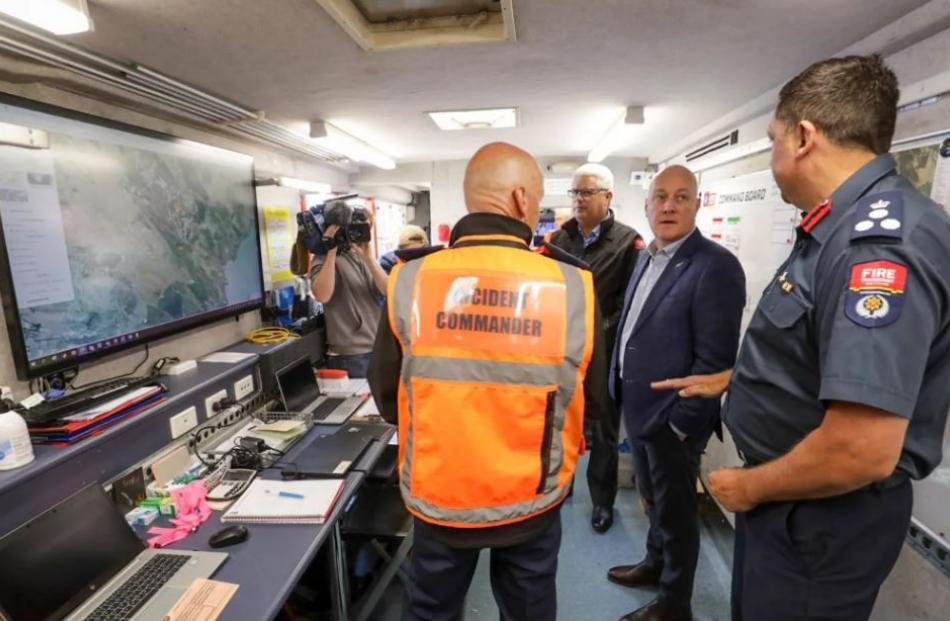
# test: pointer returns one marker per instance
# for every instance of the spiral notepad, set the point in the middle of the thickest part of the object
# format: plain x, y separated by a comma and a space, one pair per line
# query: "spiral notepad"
286, 502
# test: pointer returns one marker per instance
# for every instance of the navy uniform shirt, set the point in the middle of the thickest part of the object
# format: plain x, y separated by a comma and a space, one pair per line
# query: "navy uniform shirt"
859, 312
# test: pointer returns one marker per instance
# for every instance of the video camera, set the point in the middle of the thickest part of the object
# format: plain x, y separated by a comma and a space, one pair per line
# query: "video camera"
352, 222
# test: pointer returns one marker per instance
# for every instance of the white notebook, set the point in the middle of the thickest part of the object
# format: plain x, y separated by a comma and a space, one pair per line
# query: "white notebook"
286, 502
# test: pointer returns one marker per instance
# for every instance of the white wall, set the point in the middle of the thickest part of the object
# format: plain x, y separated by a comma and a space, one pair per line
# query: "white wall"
446, 196
197, 342
448, 199
386, 193
922, 69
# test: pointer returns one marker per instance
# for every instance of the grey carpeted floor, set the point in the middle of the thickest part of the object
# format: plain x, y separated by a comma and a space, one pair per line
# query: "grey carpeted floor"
583, 591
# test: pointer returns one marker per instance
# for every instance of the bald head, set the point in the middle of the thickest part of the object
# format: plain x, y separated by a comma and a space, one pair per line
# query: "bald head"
503, 179
672, 204
675, 175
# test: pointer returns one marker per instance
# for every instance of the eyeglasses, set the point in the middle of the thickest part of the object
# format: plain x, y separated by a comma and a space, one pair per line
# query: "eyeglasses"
585, 193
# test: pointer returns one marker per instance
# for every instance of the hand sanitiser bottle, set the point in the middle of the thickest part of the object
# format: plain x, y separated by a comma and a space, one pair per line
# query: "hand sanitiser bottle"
15, 447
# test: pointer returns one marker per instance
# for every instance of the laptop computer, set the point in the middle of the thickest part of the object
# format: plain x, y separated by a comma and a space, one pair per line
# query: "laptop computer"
329, 456
81, 561
299, 392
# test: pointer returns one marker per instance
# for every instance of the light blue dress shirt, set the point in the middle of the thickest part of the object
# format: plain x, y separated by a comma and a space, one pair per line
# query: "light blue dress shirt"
594, 234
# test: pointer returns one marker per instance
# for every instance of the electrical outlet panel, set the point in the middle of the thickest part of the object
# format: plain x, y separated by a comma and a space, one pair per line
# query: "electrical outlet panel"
231, 415
243, 387
182, 422
210, 401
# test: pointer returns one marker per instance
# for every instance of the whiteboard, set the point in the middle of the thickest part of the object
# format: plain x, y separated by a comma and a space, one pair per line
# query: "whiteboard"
747, 215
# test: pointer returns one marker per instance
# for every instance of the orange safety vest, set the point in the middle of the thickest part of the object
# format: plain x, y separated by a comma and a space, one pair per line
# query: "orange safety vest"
496, 342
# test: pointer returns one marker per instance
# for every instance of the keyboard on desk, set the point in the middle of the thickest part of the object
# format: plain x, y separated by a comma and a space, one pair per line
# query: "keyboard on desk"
139, 588
60, 407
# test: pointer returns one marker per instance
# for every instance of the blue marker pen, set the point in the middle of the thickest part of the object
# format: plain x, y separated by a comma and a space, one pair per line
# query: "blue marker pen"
284, 494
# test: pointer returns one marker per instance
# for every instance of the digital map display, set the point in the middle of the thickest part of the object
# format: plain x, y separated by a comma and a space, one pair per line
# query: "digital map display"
111, 238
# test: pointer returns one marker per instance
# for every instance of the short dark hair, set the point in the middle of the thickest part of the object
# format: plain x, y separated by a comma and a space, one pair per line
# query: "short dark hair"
852, 100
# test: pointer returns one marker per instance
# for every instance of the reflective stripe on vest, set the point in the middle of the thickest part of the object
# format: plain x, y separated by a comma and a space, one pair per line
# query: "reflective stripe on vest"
498, 329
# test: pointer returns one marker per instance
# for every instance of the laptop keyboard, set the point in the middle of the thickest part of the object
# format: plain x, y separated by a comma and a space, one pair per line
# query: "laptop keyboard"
326, 407
140, 586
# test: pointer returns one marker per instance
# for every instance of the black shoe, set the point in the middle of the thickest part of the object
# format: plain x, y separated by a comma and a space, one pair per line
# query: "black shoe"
602, 518
639, 575
660, 610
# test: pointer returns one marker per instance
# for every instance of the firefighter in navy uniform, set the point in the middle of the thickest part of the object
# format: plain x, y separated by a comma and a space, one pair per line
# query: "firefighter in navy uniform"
840, 393
489, 357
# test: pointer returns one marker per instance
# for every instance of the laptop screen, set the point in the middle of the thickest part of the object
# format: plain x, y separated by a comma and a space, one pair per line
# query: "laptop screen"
60, 558
298, 385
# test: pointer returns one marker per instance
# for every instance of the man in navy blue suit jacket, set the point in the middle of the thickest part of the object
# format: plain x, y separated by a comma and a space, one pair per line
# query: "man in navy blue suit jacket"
681, 316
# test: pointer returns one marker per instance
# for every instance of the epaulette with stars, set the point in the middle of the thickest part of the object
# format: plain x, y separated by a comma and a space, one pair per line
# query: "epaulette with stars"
879, 215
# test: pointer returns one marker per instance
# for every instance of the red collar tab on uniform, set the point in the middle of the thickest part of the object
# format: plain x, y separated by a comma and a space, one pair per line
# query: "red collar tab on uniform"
816, 215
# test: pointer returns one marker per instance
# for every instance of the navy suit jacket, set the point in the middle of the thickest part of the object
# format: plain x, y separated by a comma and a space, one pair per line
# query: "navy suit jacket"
689, 324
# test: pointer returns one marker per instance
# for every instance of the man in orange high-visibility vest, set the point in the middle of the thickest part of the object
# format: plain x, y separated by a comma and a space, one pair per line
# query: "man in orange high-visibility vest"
488, 356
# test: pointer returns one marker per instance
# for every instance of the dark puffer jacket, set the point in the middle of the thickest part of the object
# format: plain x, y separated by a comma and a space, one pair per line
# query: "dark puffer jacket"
611, 259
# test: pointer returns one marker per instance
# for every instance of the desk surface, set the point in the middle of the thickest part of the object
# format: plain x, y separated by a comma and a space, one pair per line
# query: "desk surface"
271, 561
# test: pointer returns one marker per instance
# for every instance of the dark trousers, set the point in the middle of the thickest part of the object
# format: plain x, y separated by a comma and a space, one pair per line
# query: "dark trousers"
602, 467
818, 559
355, 365
666, 469
522, 578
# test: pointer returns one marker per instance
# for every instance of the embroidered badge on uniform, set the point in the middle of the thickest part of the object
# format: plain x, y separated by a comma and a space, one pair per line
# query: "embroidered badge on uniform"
879, 215
875, 294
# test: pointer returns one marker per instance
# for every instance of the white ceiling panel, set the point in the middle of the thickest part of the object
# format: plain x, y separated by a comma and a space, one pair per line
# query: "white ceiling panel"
574, 68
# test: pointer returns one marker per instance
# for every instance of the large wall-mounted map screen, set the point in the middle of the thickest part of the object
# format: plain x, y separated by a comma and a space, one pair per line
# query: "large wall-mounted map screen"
113, 237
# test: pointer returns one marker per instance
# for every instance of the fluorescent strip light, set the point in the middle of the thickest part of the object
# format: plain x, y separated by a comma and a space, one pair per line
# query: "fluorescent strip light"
488, 118
336, 140
314, 187
618, 135
60, 17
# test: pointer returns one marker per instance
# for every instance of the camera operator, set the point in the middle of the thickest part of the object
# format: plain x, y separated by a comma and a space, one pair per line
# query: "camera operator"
349, 283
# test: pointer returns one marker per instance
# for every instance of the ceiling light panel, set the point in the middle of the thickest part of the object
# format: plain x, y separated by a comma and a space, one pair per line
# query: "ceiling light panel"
60, 17
489, 118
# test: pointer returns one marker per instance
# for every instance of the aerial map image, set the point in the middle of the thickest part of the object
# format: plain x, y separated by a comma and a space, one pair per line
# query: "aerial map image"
918, 165
152, 236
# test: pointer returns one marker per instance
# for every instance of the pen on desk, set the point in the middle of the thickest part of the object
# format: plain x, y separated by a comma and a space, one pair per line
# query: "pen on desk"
283, 494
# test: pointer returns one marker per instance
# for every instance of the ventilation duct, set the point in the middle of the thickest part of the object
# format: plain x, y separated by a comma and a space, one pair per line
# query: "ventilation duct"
719, 143
163, 90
